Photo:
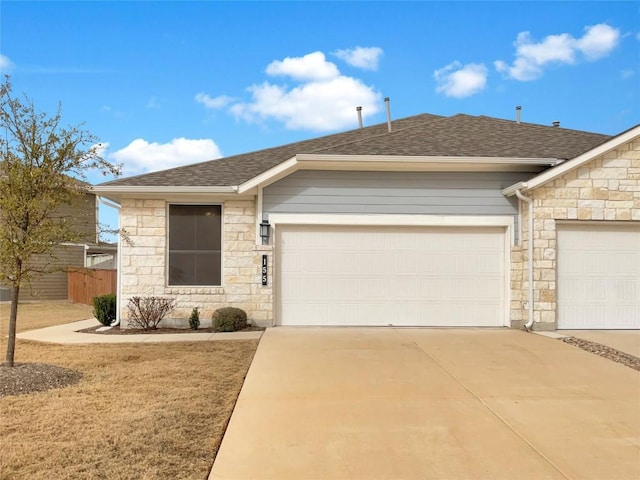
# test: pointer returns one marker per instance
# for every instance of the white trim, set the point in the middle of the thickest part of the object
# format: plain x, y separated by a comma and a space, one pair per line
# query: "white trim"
511, 191
124, 189
601, 223
550, 175
401, 221
258, 215
392, 220
272, 175
431, 159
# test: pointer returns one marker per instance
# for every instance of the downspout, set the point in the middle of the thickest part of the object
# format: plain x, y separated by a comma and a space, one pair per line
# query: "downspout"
529, 201
117, 206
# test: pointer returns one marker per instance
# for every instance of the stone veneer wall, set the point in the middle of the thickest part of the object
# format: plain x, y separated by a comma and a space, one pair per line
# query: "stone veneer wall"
143, 264
605, 189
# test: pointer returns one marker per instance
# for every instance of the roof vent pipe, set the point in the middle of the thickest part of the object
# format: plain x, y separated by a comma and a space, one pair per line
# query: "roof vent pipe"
386, 101
359, 110
518, 108
556, 123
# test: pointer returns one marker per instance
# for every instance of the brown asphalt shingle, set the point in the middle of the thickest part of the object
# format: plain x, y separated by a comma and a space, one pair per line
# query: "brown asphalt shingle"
425, 134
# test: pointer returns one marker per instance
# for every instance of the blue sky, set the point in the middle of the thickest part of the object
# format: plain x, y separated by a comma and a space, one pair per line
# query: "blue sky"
167, 83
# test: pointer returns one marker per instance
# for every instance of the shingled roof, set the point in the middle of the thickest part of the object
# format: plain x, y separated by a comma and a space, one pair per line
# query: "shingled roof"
420, 135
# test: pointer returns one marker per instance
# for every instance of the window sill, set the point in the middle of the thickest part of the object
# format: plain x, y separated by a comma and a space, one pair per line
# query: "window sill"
195, 290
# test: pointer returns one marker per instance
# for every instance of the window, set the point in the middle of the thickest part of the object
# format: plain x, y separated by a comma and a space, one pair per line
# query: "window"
195, 240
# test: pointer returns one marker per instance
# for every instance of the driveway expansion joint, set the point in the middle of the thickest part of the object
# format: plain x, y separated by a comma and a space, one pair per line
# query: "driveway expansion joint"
493, 412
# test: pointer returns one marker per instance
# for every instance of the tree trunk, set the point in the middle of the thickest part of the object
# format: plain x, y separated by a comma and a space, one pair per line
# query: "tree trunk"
13, 316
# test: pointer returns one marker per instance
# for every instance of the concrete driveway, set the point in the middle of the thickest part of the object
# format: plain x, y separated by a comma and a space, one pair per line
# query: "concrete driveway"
366, 403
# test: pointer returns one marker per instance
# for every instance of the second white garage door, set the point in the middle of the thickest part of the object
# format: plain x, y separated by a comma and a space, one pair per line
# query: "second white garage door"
423, 276
599, 276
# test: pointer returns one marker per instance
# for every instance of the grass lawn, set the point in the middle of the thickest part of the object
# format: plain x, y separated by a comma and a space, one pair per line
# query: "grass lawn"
39, 315
144, 411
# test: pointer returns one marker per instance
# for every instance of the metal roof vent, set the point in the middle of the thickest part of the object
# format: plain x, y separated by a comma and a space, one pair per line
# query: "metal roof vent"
556, 123
386, 101
359, 110
518, 109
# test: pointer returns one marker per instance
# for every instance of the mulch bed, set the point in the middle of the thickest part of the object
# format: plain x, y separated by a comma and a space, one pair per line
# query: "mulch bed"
25, 378
134, 331
609, 353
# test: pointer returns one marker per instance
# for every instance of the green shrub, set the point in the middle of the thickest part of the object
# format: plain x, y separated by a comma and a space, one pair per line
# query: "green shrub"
104, 308
194, 319
229, 319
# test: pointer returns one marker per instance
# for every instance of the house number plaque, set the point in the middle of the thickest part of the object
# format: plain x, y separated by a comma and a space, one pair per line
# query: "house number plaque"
265, 270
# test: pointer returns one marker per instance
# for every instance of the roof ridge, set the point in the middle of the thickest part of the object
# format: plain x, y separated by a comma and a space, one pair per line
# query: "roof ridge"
538, 125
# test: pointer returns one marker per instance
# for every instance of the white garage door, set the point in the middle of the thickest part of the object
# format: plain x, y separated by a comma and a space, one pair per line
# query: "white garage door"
598, 276
426, 276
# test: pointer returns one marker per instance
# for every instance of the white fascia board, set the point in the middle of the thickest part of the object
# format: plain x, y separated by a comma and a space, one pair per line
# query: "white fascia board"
426, 159
392, 220
550, 175
117, 193
129, 189
272, 175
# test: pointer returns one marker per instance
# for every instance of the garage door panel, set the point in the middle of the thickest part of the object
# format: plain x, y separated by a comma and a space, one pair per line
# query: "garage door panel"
383, 275
599, 276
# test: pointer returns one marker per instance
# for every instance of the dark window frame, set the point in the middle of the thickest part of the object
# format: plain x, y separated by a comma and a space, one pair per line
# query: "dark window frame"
195, 251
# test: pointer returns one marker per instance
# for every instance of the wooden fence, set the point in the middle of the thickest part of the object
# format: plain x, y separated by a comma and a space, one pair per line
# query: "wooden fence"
86, 283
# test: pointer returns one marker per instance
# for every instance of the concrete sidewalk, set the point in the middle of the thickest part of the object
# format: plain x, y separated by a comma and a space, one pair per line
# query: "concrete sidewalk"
365, 403
68, 334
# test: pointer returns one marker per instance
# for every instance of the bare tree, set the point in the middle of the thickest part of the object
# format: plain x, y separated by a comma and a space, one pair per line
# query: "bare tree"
43, 166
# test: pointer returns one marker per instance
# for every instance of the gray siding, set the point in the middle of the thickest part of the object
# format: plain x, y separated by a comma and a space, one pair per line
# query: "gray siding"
82, 214
427, 193
51, 285
420, 193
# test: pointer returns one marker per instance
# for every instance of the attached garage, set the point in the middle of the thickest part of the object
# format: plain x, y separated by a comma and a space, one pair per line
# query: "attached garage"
598, 276
391, 275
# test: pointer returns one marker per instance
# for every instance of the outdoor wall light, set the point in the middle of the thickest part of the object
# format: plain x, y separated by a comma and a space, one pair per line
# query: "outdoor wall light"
265, 231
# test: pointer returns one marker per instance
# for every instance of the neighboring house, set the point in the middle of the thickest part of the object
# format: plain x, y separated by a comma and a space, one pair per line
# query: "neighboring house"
423, 225
53, 285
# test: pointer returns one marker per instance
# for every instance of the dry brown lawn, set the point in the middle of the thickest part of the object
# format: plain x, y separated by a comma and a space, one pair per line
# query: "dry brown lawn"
45, 314
144, 411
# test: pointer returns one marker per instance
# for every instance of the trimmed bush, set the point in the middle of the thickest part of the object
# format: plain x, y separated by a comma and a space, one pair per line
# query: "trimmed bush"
194, 319
229, 319
104, 308
147, 312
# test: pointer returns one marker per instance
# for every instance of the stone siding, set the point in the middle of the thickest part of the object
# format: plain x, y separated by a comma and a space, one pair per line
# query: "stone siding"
605, 189
144, 260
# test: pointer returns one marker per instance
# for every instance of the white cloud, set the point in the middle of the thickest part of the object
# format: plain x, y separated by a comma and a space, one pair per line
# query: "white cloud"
312, 66
361, 57
313, 106
322, 99
458, 81
220, 101
101, 148
598, 41
6, 65
531, 57
141, 156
